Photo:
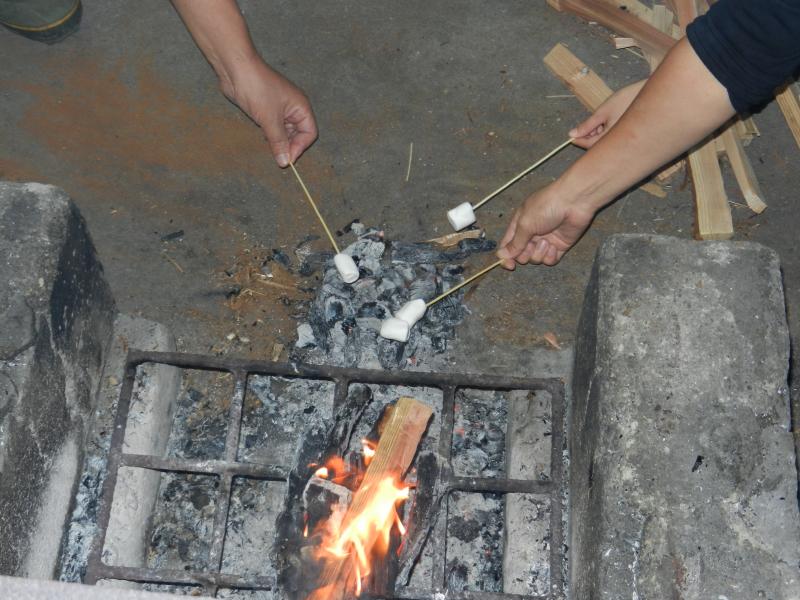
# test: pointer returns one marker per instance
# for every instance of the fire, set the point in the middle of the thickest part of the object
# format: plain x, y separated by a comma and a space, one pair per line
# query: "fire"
367, 534
352, 544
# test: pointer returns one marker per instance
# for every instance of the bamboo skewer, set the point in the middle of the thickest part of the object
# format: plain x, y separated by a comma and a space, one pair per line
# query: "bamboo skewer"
314, 206
463, 283
523, 173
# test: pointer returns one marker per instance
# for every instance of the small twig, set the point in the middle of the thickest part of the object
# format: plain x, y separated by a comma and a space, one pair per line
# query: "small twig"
637, 53
410, 156
276, 284
174, 263
561, 96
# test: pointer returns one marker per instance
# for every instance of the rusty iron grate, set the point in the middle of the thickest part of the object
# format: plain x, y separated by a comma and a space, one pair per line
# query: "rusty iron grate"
229, 467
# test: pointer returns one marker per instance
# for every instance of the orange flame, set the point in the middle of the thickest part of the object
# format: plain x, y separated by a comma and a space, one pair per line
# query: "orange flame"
364, 535
322, 473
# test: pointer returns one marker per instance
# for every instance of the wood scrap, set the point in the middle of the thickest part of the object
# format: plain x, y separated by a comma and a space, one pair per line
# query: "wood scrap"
393, 456
746, 129
451, 239
645, 13
713, 213
787, 101
587, 87
742, 170
621, 43
621, 20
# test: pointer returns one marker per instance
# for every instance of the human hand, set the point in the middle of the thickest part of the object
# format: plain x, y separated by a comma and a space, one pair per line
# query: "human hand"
608, 113
543, 228
279, 107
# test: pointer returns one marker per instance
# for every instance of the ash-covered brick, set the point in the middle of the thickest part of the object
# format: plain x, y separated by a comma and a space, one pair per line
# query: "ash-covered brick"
683, 478
56, 314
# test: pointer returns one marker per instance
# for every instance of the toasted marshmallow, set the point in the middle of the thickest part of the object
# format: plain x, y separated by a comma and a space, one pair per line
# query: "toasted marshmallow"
346, 266
461, 216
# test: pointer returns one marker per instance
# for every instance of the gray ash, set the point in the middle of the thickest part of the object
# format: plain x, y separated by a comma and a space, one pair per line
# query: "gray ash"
344, 319
479, 436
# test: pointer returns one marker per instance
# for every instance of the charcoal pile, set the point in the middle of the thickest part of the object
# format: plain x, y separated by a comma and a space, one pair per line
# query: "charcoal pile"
344, 319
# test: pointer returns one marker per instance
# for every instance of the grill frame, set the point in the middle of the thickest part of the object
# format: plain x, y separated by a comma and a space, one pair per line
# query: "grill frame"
228, 468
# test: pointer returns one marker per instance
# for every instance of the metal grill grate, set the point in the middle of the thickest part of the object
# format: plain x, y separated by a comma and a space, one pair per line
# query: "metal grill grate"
228, 468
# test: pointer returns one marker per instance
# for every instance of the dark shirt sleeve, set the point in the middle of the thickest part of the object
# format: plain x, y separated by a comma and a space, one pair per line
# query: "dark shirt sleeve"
750, 46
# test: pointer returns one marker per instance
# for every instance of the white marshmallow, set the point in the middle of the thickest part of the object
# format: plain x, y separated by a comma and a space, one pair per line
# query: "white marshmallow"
411, 312
346, 266
395, 329
461, 216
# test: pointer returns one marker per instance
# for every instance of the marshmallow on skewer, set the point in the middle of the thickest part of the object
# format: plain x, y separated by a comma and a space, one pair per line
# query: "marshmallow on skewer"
395, 329
399, 326
461, 216
411, 312
346, 266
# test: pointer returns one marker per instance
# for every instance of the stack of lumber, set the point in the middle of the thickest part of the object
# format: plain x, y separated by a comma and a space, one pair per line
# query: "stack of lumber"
654, 30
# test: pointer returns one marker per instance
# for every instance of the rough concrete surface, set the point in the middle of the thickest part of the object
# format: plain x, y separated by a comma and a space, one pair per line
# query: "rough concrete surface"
56, 313
683, 481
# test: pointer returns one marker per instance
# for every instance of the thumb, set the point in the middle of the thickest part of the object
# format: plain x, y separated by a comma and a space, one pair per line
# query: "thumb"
275, 132
598, 119
518, 242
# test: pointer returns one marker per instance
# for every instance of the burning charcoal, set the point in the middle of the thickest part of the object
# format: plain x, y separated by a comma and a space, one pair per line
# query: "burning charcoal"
324, 500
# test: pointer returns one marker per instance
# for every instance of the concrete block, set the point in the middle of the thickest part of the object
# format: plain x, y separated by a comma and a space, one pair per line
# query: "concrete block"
683, 478
56, 314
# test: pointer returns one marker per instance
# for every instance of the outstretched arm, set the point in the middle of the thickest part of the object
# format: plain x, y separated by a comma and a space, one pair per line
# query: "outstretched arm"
680, 104
280, 108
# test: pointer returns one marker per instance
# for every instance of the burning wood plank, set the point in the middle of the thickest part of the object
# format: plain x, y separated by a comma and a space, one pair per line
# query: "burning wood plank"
367, 524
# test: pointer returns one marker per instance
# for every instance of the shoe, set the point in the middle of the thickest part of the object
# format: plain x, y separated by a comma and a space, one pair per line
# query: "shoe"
47, 21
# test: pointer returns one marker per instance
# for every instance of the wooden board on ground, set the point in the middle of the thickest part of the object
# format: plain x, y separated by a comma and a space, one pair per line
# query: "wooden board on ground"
713, 212
742, 169
787, 100
619, 19
393, 455
588, 88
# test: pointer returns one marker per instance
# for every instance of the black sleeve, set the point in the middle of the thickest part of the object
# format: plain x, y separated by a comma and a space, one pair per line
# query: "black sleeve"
750, 46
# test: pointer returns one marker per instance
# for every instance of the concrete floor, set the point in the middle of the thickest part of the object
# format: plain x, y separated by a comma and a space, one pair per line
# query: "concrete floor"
126, 117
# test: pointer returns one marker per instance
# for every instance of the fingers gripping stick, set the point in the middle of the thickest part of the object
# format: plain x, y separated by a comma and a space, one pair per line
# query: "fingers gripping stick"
399, 326
344, 262
463, 215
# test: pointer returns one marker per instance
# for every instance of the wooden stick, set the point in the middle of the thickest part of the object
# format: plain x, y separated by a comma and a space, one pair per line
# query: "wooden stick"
410, 156
393, 455
316, 210
465, 282
742, 169
522, 174
714, 220
790, 107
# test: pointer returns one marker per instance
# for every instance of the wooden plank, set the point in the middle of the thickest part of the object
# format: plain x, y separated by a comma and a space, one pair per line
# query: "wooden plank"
747, 130
742, 169
645, 13
588, 88
713, 213
580, 79
787, 100
393, 455
619, 20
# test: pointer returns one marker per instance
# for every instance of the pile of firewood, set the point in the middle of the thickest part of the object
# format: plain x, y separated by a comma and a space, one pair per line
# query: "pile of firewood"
654, 31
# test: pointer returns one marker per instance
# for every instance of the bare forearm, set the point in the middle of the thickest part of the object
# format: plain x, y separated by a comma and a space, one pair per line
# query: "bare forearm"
220, 31
680, 105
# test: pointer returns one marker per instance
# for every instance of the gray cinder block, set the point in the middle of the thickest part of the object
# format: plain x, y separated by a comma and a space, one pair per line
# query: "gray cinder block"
56, 315
683, 476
